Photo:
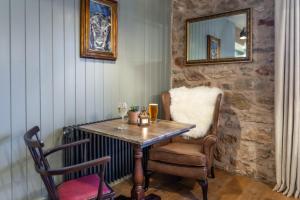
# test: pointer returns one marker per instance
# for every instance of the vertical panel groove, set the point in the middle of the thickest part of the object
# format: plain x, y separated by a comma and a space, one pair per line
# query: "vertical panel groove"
52, 81
75, 60
40, 80
64, 29
10, 94
26, 120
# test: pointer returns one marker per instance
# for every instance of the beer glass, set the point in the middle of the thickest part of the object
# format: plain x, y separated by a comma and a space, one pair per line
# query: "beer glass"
153, 111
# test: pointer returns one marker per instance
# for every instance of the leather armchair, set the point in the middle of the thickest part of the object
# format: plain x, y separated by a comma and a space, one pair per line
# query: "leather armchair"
191, 158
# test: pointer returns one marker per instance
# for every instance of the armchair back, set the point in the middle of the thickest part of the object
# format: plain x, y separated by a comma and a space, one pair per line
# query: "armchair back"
166, 102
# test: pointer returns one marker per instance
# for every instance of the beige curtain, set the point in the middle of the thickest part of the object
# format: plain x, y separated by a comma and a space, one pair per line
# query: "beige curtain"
287, 96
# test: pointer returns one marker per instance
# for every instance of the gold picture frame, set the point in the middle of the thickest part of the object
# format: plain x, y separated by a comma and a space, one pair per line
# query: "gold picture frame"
99, 29
248, 58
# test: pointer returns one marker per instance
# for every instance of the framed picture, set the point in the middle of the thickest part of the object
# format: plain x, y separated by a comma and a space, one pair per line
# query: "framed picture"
99, 29
213, 47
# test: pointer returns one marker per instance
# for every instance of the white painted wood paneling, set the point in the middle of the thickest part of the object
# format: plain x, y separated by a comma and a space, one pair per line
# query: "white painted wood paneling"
90, 90
111, 89
33, 116
46, 71
167, 46
44, 82
132, 68
69, 25
153, 35
46, 74
58, 64
99, 90
58, 79
80, 71
18, 98
147, 62
5, 102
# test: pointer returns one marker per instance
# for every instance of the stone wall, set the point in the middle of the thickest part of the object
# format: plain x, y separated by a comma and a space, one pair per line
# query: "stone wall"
247, 126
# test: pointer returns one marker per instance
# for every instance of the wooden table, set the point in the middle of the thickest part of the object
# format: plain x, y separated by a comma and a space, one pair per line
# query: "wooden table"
140, 137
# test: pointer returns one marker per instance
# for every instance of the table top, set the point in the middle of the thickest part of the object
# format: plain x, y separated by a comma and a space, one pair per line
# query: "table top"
139, 135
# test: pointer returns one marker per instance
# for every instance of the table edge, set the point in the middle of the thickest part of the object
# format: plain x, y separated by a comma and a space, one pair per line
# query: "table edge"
141, 144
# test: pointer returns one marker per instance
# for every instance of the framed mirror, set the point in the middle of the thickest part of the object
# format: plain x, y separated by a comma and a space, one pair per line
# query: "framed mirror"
220, 38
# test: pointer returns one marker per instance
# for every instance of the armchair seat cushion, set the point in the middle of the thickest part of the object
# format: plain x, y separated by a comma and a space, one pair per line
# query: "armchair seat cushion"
83, 188
178, 170
180, 154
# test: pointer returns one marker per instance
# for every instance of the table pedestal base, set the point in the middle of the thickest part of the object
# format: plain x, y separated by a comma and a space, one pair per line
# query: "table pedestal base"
137, 191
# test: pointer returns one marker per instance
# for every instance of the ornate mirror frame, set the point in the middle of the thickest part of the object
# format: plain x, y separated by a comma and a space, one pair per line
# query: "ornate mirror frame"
248, 58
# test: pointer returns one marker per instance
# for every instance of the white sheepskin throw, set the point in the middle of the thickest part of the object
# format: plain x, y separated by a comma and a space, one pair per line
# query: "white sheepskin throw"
194, 106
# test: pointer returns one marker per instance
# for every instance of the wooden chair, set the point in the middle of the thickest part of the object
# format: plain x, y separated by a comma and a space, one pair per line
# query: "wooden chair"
83, 188
191, 158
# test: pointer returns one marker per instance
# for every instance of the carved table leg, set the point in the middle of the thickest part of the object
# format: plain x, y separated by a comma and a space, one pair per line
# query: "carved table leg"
137, 191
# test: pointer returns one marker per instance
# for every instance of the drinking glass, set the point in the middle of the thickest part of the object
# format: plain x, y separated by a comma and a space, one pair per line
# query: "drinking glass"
153, 111
122, 110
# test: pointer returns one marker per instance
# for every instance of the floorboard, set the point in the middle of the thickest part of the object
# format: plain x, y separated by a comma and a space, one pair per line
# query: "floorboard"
224, 187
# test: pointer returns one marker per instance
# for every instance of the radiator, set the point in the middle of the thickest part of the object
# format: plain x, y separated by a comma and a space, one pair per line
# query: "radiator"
121, 153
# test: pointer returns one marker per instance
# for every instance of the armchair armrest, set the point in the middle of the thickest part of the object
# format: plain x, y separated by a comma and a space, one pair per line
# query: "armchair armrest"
214, 128
208, 147
74, 168
64, 146
208, 142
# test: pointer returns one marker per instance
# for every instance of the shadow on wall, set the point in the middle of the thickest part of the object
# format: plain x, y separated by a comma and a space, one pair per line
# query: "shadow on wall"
244, 148
229, 137
5, 166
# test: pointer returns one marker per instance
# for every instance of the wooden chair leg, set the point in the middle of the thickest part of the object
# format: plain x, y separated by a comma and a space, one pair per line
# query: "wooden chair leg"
204, 186
147, 179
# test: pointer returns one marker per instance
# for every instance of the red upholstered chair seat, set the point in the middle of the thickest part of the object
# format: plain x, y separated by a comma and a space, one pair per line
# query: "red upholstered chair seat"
83, 188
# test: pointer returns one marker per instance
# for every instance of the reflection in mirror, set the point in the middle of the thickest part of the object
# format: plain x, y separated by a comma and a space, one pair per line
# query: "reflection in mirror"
223, 37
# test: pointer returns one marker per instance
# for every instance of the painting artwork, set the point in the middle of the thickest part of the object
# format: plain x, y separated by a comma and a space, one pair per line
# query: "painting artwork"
99, 29
213, 47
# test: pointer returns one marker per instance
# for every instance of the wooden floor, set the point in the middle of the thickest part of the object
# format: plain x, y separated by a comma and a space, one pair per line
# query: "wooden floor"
223, 187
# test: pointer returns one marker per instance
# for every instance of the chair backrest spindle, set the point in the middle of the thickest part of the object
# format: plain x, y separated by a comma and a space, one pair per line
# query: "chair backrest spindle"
35, 146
